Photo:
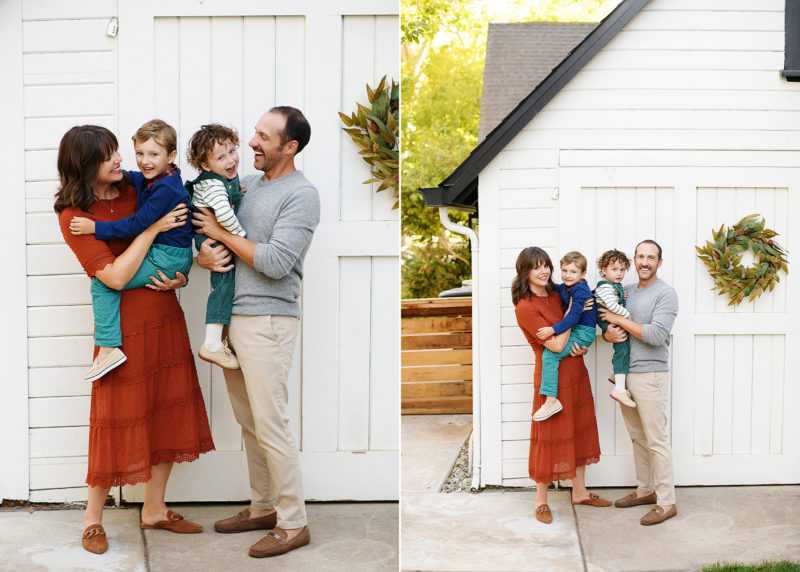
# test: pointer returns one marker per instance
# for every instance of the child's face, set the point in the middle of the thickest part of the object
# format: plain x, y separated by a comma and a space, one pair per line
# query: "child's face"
152, 158
614, 272
222, 160
571, 274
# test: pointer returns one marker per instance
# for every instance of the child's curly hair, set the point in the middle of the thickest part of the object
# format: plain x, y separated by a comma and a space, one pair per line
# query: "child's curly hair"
202, 142
611, 256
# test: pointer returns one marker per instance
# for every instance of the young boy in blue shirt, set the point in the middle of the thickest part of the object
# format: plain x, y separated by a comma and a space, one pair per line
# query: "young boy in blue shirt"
574, 292
159, 189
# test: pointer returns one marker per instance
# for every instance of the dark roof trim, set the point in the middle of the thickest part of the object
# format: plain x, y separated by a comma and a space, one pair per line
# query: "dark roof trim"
460, 189
791, 63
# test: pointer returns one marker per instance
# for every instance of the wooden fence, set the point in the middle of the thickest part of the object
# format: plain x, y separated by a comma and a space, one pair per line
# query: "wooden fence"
436, 358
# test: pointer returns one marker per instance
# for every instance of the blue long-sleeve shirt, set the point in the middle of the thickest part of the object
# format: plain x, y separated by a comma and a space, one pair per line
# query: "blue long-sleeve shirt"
579, 293
156, 198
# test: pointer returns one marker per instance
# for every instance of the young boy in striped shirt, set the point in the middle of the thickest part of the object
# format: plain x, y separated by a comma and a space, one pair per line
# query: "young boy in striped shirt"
213, 150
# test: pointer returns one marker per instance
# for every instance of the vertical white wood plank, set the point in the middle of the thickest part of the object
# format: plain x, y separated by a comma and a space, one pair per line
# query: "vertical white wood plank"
742, 393
628, 235
664, 224
703, 395
321, 355
14, 447
258, 85
704, 300
683, 388
778, 359
166, 89
355, 282
764, 204
781, 225
358, 65
387, 62
744, 205
791, 397
645, 224
723, 395
726, 213
587, 233
384, 371
762, 392
323, 83
605, 413
290, 62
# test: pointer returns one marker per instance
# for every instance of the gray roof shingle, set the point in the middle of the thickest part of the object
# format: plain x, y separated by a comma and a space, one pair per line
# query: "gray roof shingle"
518, 57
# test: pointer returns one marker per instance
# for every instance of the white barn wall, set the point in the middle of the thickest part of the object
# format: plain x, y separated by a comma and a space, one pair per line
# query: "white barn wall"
73, 74
681, 123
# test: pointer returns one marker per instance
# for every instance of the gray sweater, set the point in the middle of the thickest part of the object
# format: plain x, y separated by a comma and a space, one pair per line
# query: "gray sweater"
280, 215
655, 307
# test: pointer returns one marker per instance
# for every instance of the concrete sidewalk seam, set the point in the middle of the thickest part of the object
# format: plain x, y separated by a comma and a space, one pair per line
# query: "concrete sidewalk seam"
578, 533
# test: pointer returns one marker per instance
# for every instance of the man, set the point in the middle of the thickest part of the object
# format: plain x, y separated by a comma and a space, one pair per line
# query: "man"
279, 212
653, 306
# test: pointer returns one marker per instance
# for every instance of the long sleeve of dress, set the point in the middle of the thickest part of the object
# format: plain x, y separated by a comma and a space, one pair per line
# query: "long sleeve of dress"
211, 193
608, 294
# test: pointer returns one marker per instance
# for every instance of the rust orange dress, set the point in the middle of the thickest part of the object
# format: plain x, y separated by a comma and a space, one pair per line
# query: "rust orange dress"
150, 409
567, 439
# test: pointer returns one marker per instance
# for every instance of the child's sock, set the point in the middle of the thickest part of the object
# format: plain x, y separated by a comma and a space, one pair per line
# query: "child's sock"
213, 340
619, 380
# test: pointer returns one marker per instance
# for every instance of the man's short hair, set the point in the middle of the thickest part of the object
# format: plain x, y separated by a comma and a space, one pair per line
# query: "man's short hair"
648, 241
576, 258
163, 133
297, 127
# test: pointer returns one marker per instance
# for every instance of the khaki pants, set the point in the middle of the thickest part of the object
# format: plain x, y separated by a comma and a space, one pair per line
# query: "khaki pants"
258, 393
649, 430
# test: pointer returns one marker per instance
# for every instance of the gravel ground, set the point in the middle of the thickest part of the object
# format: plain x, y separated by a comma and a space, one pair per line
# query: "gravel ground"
460, 479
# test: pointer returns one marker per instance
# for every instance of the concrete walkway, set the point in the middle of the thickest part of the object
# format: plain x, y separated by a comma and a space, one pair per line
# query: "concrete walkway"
344, 537
495, 530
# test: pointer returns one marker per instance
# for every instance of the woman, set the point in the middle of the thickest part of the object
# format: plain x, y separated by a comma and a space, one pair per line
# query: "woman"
148, 413
563, 445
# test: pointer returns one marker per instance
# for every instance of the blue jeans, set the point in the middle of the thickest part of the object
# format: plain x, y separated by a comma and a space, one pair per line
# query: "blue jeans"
584, 335
105, 300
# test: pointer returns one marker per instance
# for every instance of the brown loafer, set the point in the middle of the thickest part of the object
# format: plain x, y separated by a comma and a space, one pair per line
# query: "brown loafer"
276, 542
594, 500
94, 539
174, 523
543, 514
632, 500
243, 522
657, 515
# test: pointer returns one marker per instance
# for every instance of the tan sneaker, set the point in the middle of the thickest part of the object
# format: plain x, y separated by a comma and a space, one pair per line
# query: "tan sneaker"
545, 412
222, 357
623, 397
99, 368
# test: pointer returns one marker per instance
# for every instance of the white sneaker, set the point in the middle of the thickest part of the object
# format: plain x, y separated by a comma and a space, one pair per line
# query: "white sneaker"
221, 357
545, 412
100, 368
623, 397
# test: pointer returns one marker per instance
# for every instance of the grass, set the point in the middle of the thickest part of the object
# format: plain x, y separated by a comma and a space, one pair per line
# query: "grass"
783, 566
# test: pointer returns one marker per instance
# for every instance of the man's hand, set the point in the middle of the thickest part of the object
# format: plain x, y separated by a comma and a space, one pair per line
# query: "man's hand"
216, 259
577, 350
206, 223
615, 334
589, 304
609, 316
81, 225
545, 333
167, 284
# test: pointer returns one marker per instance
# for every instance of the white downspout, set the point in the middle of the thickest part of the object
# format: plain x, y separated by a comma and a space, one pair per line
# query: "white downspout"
476, 377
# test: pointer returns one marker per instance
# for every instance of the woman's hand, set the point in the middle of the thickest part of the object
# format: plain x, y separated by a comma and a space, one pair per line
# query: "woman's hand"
173, 219
545, 333
206, 223
81, 225
589, 304
167, 284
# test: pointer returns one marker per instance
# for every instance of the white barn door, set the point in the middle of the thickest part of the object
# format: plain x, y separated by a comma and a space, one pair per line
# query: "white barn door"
229, 62
734, 379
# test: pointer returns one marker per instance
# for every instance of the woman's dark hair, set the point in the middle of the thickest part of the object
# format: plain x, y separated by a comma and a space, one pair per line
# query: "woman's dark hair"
81, 152
527, 260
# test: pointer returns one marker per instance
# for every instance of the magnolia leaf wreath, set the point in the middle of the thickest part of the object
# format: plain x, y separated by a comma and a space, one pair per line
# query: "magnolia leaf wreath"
723, 257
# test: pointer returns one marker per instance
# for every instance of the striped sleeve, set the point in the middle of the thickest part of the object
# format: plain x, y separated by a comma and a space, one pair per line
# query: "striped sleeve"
212, 194
608, 294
